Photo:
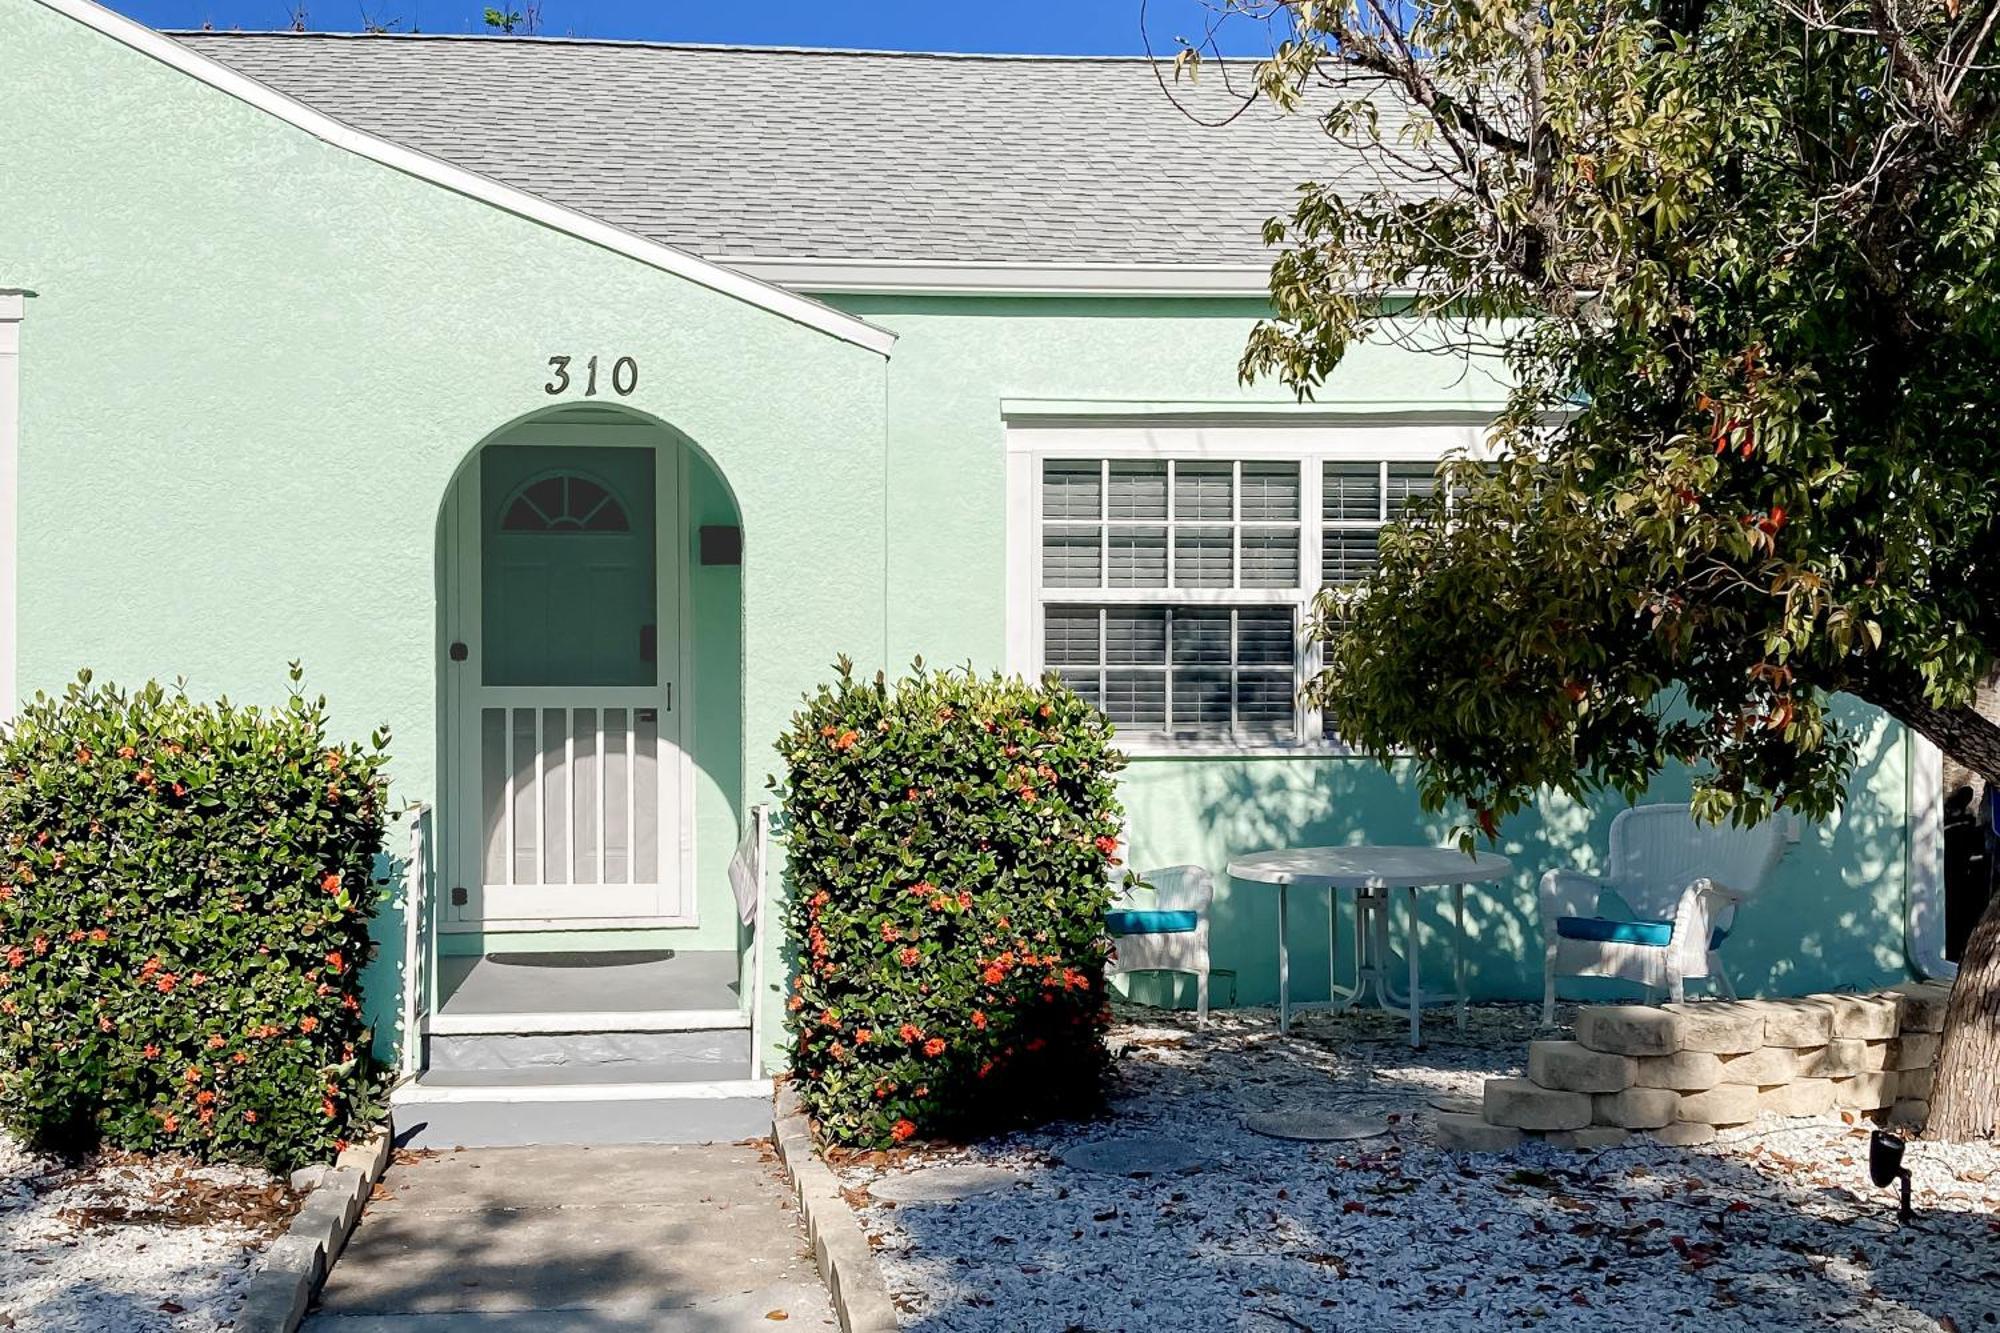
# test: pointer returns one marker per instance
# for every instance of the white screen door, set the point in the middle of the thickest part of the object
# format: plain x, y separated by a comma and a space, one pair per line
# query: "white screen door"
567, 751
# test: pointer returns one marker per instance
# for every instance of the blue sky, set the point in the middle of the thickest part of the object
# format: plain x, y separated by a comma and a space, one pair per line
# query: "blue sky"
1095, 27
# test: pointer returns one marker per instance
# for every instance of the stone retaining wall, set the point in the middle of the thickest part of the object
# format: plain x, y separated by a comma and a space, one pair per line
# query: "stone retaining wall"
1679, 1072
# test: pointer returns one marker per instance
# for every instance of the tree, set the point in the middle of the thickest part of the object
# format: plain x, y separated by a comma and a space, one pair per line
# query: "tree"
509, 21
1735, 261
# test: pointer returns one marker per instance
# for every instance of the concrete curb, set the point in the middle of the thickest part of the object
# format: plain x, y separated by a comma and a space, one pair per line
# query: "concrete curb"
297, 1262
840, 1248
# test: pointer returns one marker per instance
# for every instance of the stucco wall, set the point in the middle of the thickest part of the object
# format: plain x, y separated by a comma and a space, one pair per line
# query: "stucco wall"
1832, 917
254, 361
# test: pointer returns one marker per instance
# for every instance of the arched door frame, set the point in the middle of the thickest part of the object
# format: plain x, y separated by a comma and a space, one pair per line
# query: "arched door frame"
461, 909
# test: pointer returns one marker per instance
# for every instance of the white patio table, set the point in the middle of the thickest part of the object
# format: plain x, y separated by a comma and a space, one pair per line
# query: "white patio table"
1371, 873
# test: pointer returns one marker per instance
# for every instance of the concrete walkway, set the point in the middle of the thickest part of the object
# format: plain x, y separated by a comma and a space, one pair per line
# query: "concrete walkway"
576, 1240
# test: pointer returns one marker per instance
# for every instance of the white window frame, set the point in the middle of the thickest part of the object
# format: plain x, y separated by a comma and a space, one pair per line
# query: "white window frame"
1310, 443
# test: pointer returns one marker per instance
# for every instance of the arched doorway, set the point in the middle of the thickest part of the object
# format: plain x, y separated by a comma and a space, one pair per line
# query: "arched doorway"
563, 615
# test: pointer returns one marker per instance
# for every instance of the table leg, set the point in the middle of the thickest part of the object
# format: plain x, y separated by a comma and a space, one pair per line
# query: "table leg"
1416, 997
1458, 950
1284, 969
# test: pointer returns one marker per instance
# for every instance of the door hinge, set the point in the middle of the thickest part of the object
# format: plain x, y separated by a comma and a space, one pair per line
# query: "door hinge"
457, 896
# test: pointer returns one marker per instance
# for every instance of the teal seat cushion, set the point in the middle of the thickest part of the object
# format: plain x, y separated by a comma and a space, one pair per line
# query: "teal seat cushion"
1127, 921
1654, 934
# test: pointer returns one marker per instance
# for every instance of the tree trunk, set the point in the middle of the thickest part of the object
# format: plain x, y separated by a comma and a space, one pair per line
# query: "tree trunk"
1965, 1091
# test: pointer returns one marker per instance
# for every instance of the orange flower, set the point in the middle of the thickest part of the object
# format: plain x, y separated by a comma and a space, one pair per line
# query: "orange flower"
329, 1109
979, 1019
993, 976
909, 956
1027, 795
889, 932
127, 752
82, 754
206, 1097
215, 1041
334, 960
249, 1117
910, 1032
1106, 844
41, 945
308, 1023
75, 937
170, 1122
100, 935
330, 882
145, 775
239, 1058
934, 1047
192, 1074
796, 1003
903, 1130
846, 740
165, 985
152, 1051
862, 1036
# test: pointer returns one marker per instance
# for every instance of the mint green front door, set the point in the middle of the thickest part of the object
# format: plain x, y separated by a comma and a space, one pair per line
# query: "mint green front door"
567, 587
566, 603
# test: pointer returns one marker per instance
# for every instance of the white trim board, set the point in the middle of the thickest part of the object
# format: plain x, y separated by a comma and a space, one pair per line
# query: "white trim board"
13, 308
741, 286
932, 277
416, 1094
445, 1023
1924, 923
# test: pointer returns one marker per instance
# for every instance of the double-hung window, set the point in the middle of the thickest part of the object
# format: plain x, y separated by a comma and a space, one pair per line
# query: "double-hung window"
1171, 586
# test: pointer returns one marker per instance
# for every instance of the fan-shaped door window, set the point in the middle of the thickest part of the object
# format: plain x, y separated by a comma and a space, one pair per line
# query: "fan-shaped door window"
566, 502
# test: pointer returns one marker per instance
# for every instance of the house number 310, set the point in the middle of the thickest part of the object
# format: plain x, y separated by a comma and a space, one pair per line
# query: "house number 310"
624, 377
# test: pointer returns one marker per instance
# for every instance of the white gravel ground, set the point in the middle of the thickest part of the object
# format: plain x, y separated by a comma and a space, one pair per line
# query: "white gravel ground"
121, 1245
1773, 1227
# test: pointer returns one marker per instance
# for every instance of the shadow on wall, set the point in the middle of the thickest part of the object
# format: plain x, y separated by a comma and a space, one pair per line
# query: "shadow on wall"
1830, 918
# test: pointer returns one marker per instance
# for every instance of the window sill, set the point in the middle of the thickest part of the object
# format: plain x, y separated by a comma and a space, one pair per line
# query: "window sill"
1151, 751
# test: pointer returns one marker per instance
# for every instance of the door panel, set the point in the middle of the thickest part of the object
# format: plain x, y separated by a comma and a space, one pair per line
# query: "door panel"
570, 753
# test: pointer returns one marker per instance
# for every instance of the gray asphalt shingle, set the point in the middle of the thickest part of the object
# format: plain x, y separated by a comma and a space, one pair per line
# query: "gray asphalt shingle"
773, 153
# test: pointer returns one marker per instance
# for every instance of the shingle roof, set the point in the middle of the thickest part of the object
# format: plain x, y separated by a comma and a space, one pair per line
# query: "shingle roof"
837, 155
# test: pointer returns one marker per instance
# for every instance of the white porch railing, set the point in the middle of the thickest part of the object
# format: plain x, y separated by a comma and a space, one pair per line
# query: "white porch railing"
749, 879
419, 943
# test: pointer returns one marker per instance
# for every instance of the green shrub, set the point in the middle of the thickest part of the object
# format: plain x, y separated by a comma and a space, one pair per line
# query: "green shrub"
951, 840
184, 908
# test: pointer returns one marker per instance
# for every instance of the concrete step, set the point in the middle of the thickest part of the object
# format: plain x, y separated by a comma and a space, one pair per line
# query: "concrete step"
709, 1053
528, 1107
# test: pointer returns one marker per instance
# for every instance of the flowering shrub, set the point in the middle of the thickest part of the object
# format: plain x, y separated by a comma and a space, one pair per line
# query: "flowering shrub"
185, 890
951, 843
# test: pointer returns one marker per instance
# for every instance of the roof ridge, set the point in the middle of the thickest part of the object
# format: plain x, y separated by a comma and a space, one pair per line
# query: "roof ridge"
747, 48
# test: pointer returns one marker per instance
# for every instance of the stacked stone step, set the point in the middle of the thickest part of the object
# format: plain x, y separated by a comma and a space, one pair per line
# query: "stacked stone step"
1678, 1073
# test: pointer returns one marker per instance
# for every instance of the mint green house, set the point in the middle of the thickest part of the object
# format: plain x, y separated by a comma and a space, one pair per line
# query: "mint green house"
569, 406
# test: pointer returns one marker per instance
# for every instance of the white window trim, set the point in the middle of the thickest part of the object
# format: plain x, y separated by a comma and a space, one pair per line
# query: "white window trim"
1030, 443
13, 308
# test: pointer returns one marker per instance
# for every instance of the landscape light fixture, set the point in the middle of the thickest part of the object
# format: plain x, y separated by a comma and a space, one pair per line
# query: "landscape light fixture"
1885, 1167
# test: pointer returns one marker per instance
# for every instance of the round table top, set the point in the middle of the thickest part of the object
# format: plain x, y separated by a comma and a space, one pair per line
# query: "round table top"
1370, 867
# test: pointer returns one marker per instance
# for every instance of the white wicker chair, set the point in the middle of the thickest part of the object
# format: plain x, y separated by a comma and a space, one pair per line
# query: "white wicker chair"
1164, 927
1663, 907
